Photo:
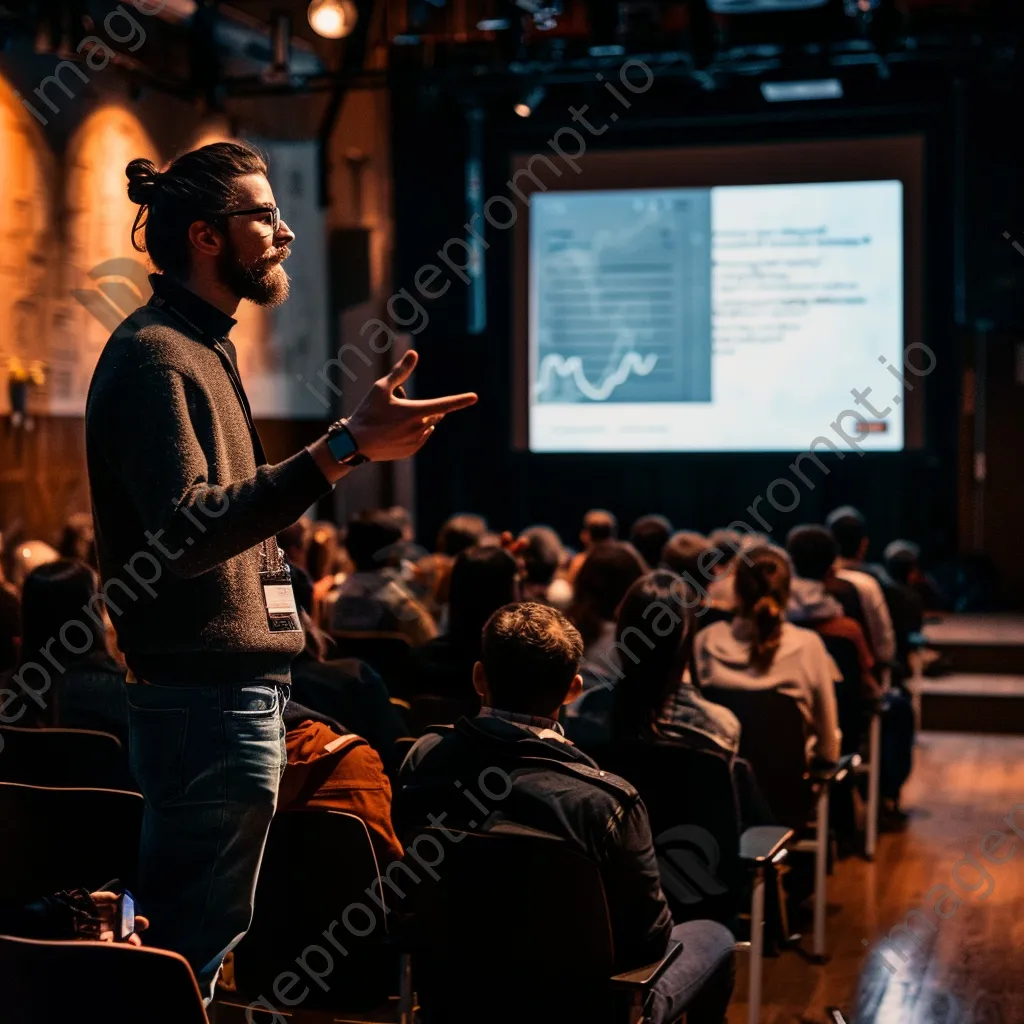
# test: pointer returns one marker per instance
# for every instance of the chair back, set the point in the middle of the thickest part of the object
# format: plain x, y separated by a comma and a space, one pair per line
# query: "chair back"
773, 739
63, 757
849, 701
318, 863
66, 838
515, 928
427, 709
56, 982
694, 811
389, 654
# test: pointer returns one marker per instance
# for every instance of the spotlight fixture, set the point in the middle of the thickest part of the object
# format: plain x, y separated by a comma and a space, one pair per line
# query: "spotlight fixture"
530, 101
332, 19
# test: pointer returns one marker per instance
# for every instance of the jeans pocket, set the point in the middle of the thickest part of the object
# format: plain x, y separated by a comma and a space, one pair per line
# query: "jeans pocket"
255, 701
156, 743
254, 731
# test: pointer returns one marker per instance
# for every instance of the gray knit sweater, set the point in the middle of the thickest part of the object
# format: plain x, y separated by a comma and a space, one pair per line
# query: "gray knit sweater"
180, 507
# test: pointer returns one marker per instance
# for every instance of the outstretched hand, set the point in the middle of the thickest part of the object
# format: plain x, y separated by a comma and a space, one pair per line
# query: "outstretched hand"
389, 426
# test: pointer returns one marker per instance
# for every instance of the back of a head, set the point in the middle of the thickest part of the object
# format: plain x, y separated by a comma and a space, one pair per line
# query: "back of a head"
78, 539
294, 539
403, 517
372, 539
762, 589
198, 185
602, 581
682, 552
728, 543
322, 553
600, 525
849, 527
54, 596
901, 558
483, 580
657, 655
26, 556
530, 654
813, 550
542, 554
649, 535
460, 532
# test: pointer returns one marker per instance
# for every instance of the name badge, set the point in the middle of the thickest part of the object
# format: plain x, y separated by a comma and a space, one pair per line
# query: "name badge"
279, 601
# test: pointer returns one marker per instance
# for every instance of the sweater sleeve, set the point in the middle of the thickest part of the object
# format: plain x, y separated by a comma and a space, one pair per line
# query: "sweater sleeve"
193, 525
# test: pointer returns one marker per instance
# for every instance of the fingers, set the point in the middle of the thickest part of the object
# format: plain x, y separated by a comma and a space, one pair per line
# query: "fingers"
450, 403
106, 936
134, 940
400, 372
141, 923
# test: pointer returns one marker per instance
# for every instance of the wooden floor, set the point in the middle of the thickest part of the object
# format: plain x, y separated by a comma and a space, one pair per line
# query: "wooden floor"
970, 969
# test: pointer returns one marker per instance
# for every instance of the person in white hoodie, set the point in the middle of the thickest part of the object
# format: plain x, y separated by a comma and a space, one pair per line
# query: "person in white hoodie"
759, 650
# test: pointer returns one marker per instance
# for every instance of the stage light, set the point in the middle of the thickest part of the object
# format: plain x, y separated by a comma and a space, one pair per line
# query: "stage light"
793, 92
530, 101
332, 19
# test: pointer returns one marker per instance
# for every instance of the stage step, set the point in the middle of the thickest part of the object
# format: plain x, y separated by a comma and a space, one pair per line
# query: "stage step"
973, 703
979, 643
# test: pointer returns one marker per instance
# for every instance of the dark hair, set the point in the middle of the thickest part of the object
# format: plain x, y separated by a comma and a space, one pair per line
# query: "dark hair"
849, 527
601, 525
682, 552
603, 578
78, 539
54, 595
649, 535
297, 535
901, 557
813, 549
483, 579
654, 666
460, 532
372, 539
198, 185
543, 553
322, 553
728, 542
762, 589
531, 654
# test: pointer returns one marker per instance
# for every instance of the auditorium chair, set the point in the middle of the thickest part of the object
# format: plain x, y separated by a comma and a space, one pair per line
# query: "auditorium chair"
511, 928
773, 740
317, 863
66, 838
63, 757
58, 982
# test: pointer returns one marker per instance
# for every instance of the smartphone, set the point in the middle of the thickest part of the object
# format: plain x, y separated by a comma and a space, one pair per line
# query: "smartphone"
124, 917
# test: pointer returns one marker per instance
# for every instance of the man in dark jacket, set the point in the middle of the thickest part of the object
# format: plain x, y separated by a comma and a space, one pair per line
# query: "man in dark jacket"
529, 664
186, 508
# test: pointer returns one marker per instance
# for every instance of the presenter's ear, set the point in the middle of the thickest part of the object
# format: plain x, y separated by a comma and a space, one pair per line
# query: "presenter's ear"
575, 690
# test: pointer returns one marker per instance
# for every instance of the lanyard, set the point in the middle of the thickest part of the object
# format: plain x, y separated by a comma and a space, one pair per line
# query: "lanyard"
271, 553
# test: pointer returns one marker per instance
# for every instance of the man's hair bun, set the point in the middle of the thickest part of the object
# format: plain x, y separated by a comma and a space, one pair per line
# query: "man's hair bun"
143, 181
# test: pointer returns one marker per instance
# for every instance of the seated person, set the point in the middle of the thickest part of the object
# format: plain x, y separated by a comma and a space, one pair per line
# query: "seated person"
688, 554
599, 525
483, 579
90, 691
433, 571
335, 769
760, 650
373, 600
813, 551
10, 624
649, 534
349, 691
528, 668
78, 540
902, 563
543, 557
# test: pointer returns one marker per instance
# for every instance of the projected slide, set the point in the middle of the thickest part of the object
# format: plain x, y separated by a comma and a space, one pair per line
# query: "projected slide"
736, 318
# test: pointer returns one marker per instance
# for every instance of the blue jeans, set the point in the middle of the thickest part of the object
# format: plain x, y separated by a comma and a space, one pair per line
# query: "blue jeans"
209, 761
699, 983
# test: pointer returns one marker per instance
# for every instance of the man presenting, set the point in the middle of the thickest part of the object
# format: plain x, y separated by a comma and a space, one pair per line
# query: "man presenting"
186, 509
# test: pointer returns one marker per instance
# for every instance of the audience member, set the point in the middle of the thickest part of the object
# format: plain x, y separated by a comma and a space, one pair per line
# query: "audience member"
348, 691
483, 579
89, 690
530, 655
373, 600
599, 526
648, 535
902, 560
602, 581
688, 555
294, 542
760, 650
27, 555
331, 768
75, 914
543, 556
850, 531
78, 540
459, 532
326, 563
721, 586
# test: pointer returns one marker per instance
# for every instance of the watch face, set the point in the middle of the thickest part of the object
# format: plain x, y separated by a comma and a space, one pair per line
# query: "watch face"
342, 445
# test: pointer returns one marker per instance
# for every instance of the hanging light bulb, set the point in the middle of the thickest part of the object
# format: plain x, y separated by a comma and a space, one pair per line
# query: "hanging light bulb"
332, 19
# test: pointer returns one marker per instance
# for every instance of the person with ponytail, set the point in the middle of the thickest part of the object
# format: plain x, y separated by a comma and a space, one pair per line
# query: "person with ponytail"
759, 649
186, 507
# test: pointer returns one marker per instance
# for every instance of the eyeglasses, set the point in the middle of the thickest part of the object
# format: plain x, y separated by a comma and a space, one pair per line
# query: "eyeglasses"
271, 211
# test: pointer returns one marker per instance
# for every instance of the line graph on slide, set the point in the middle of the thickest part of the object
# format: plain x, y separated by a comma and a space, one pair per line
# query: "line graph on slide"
620, 297
555, 365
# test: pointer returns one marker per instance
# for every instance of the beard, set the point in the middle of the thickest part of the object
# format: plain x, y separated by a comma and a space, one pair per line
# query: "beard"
262, 281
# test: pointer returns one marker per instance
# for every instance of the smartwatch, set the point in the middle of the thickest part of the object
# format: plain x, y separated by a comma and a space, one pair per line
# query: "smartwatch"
343, 445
